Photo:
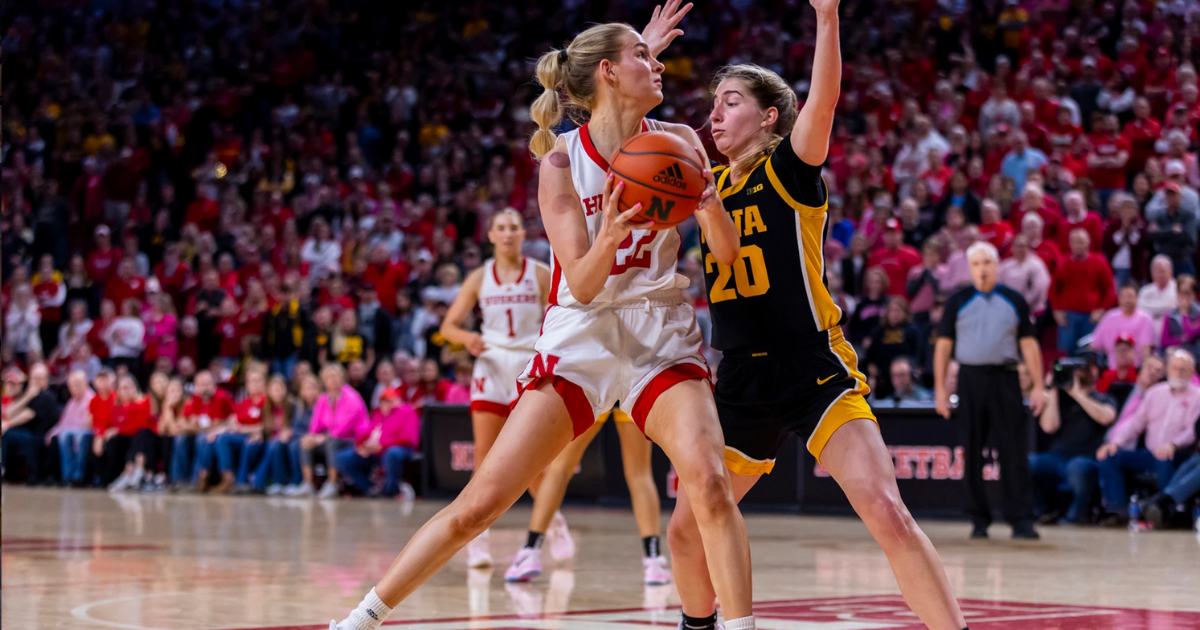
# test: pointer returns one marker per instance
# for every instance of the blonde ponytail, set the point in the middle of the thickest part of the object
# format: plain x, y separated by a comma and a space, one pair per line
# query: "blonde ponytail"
574, 72
547, 111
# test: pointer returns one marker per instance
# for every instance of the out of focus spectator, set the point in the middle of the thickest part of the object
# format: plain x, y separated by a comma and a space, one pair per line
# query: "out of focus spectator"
1166, 417
895, 258
1181, 326
1173, 233
30, 418
895, 336
905, 390
393, 439
1125, 321
1026, 274
1157, 298
74, 430
1080, 292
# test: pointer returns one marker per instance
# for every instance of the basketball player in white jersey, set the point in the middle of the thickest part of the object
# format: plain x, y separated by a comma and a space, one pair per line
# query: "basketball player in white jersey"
618, 327
511, 293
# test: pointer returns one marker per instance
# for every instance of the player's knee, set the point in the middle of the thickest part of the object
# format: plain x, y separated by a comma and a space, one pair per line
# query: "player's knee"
473, 516
712, 497
682, 535
890, 521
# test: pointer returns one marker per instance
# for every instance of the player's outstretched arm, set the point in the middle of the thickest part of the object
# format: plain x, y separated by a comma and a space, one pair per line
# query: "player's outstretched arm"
719, 231
810, 137
452, 328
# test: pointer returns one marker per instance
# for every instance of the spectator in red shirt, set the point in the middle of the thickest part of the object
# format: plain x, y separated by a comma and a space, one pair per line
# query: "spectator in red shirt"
228, 332
384, 276
1126, 242
126, 285
1124, 368
1080, 291
1078, 216
993, 230
1061, 134
206, 415
241, 446
50, 291
128, 443
895, 258
102, 262
1141, 133
1034, 200
1108, 159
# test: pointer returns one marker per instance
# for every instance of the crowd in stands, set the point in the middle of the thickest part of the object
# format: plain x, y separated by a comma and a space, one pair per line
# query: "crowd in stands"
215, 202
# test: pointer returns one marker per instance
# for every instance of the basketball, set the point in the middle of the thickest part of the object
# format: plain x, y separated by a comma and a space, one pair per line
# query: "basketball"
661, 172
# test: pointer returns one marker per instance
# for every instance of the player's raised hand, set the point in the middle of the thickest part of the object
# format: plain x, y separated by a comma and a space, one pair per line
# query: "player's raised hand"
660, 31
824, 6
709, 196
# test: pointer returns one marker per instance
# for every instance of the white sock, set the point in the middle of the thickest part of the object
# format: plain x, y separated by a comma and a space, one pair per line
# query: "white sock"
743, 623
369, 614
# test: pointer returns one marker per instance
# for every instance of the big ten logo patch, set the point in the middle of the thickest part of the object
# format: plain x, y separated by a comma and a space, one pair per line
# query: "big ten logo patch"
462, 456
937, 463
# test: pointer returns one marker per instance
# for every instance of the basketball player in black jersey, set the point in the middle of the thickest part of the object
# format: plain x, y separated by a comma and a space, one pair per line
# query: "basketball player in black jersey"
787, 368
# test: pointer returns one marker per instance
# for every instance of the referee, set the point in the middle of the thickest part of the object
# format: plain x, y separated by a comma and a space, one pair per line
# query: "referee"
988, 329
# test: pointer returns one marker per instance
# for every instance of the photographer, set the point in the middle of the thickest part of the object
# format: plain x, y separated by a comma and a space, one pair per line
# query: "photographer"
1077, 416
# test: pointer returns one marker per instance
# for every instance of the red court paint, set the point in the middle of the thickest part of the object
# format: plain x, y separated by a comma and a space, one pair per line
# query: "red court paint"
884, 612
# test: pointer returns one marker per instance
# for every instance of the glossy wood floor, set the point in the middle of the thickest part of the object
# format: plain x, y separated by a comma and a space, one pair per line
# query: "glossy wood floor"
87, 559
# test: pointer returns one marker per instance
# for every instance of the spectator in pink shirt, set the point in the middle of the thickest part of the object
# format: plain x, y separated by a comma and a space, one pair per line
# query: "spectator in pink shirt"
1026, 274
162, 337
1167, 417
393, 439
74, 429
339, 422
1125, 320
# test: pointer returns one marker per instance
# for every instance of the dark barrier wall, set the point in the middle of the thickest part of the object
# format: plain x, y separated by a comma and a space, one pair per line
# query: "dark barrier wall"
926, 449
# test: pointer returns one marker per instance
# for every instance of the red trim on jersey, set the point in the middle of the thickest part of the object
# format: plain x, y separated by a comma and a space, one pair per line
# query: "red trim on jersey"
555, 278
585, 137
487, 406
578, 407
524, 266
495, 274
661, 382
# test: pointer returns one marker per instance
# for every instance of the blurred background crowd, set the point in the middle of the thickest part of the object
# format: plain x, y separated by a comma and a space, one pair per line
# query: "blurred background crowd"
225, 199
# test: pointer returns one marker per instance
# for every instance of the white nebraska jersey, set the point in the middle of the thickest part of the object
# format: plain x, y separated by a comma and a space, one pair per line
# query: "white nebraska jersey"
646, 259
512, 312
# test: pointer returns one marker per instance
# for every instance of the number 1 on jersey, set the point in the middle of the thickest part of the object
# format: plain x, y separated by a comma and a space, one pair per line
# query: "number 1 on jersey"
749, 282
511, 331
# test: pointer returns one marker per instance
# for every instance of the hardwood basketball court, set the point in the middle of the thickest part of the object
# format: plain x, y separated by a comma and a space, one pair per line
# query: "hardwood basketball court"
87, 559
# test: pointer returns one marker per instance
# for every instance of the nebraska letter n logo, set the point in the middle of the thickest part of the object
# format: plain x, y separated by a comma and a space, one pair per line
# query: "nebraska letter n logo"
542, 367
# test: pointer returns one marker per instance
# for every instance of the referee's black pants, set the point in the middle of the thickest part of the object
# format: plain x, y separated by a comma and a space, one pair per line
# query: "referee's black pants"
990, 405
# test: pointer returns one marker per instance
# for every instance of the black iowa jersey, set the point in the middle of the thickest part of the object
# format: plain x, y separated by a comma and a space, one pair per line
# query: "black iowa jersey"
775, 292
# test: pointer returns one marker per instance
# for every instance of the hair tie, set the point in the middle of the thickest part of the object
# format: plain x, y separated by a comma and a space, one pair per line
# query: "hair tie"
562, 56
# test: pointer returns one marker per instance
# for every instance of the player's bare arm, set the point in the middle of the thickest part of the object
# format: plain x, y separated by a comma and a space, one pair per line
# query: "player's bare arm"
585, 265
810, 136
718, 228
452, 328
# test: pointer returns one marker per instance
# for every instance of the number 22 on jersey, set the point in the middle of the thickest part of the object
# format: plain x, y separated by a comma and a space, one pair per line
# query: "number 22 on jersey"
748, 272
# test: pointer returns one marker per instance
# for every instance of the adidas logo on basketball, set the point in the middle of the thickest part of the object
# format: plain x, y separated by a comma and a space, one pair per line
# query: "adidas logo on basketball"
671, 176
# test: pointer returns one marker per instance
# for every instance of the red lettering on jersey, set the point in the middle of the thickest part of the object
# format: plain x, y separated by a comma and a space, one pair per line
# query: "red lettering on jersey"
591, 205
477, 383
542, 367
633, 254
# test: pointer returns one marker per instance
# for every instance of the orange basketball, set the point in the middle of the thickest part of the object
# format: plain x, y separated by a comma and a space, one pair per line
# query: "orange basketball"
661, 172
